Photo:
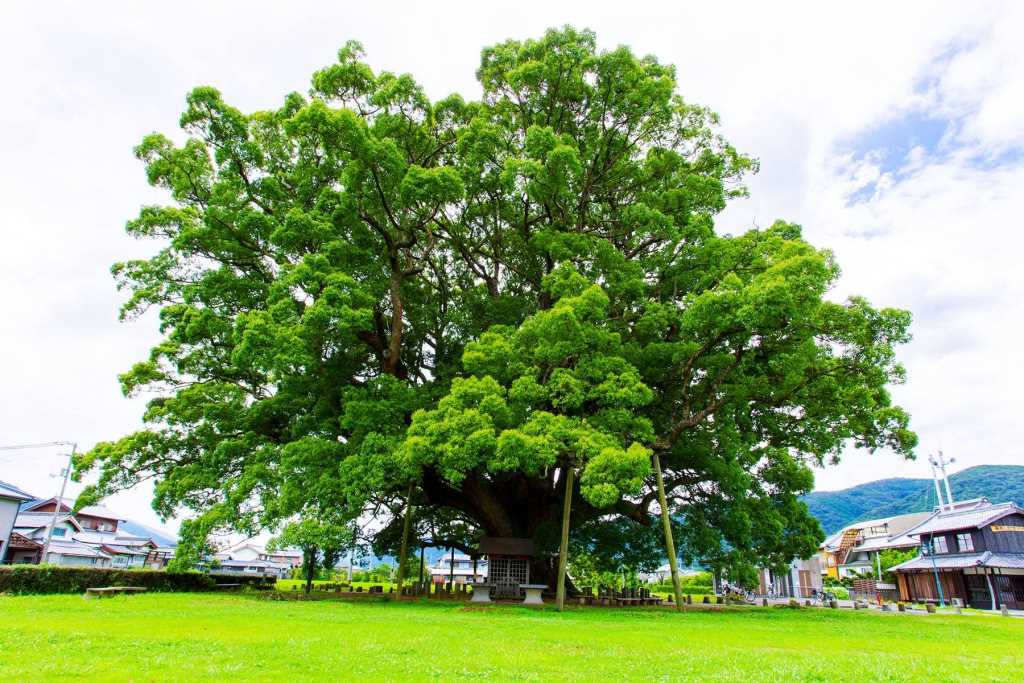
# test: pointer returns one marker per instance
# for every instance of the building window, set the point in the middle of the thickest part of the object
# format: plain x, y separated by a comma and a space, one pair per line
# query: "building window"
939, 545
59, 532
965, 543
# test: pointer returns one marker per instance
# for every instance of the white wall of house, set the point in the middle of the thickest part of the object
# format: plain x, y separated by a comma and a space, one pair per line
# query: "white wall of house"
8, 513
62, 532
127, 561
77, 560
245, 554
800, 579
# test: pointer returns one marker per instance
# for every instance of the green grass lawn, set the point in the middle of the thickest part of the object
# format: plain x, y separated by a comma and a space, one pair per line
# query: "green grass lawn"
239, 637
287, 585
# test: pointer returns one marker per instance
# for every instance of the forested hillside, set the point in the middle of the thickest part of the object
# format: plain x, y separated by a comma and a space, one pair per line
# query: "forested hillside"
885, 497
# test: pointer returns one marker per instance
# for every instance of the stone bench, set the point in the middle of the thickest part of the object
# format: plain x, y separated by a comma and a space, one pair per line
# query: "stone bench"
481, 592
533, 592
110, 591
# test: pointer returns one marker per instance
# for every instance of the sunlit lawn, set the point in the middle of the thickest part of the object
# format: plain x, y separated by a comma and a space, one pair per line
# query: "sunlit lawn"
290, 585
239, 637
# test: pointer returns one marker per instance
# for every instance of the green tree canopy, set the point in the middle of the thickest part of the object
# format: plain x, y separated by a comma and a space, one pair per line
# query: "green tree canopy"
320, 537
536, 272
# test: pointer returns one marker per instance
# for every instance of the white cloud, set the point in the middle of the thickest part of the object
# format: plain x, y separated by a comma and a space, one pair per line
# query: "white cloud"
938, 234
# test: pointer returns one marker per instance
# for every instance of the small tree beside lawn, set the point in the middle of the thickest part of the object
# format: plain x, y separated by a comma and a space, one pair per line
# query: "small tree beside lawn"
320, 541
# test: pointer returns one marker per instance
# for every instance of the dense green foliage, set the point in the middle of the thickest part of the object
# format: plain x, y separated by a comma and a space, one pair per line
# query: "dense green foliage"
365, 293
53, 579
219, 637
892, 557
321, 540
885, 497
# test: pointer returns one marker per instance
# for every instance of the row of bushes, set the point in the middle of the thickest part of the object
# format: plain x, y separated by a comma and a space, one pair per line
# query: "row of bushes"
53, 579
691, 588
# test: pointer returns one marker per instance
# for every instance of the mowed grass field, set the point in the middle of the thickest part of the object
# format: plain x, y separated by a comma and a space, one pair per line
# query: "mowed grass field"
238, 637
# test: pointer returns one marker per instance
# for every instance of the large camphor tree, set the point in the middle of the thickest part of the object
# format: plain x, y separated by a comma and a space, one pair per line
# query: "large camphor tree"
366, 293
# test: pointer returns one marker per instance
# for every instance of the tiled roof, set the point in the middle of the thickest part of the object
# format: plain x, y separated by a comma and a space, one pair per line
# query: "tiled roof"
23, 543
75, 548
964, 519
985, 559
886, 542
100, 511
11, 491
1006, 560
36, 520
121, 550
896, 525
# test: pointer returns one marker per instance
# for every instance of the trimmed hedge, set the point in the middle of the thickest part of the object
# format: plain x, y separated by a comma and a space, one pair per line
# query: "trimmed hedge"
53, 579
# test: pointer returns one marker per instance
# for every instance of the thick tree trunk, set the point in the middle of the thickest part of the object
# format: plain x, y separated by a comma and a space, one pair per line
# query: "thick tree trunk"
515, 506
310, 568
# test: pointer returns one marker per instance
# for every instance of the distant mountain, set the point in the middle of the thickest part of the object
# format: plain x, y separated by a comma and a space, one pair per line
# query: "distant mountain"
887, 497
160, 537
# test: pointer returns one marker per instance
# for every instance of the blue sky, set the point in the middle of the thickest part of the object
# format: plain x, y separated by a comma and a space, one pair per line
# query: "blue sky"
895, 143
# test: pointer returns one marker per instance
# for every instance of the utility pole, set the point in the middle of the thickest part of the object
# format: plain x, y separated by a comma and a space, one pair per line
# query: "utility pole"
66, 474
940, 462
60, 502
935, 480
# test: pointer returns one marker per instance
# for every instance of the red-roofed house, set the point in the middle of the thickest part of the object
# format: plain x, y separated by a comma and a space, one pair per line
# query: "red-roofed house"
91, 517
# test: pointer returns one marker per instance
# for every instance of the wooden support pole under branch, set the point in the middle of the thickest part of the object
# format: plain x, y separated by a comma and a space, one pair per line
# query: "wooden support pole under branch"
403, 555
563, 550
670, 546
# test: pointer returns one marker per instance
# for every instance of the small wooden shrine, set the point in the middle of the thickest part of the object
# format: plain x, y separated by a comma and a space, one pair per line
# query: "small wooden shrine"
508, 564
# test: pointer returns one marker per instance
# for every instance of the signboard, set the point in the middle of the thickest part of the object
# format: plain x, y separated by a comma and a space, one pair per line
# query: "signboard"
1007, 527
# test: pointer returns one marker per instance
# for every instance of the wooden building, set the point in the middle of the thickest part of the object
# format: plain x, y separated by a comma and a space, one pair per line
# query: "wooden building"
23, 550
975, 553
799, 580
508, 564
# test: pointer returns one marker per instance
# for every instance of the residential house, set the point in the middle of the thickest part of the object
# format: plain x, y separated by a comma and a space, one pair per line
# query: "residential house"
64, 548
11, 499
125, 556
91, 517
973, 552
251, 558
126, 551
799, 580
113, 540
72, 553
162, 556
36, 525
465, 569
855, 549
288, 556
23, 550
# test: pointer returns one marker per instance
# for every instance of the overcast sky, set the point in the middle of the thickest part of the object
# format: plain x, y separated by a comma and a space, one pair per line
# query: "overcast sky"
893, 132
